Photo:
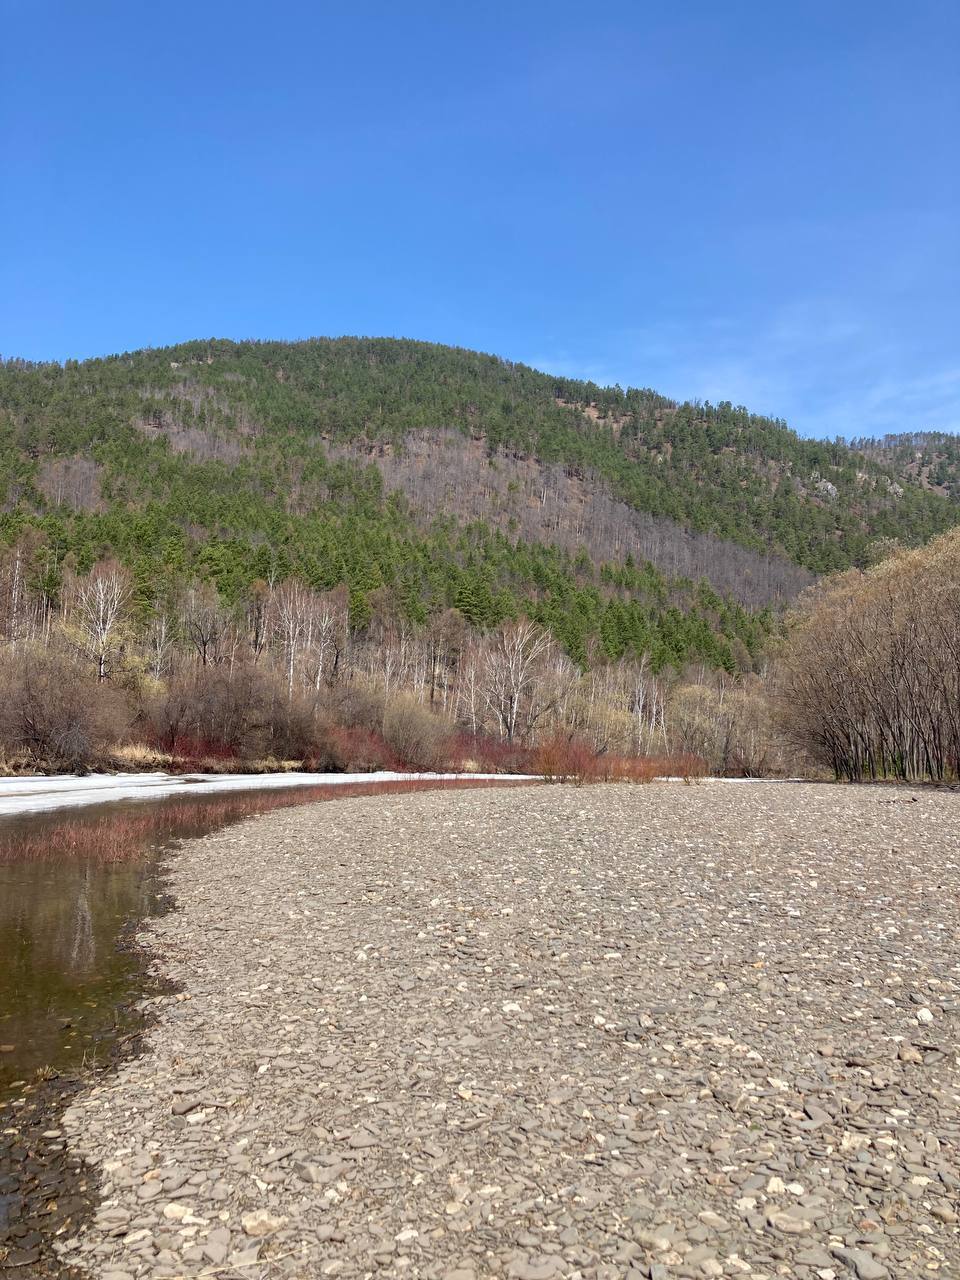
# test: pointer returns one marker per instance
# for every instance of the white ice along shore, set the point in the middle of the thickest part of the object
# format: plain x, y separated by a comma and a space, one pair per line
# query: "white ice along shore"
37, 794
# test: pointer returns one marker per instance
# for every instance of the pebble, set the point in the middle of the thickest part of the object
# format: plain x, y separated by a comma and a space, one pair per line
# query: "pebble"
260, 1222
613, 1032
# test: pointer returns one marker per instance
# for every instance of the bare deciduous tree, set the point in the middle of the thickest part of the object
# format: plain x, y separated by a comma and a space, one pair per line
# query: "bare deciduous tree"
509, 686
159, 643
291, 605
207, 625
99, 609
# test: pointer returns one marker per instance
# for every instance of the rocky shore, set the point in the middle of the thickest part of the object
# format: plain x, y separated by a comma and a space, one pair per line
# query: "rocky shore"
602, 1032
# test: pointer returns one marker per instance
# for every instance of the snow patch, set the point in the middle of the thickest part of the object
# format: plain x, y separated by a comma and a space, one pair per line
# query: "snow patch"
39, 794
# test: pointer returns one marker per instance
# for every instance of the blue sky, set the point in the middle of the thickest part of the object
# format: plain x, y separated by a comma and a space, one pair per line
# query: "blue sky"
747, 201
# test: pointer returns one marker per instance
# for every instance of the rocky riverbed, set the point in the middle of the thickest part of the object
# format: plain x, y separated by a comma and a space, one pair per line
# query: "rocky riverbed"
603, 1032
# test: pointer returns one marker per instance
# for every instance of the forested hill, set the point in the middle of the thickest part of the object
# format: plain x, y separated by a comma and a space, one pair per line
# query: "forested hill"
447, 476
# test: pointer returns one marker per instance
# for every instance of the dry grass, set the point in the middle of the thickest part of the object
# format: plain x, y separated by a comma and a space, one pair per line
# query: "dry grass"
136, 757
140, 757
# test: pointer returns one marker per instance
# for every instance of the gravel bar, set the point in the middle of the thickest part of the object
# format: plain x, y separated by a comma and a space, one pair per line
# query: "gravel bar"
656, 1031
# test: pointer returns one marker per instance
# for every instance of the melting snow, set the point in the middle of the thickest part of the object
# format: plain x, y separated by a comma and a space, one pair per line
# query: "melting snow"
34, 794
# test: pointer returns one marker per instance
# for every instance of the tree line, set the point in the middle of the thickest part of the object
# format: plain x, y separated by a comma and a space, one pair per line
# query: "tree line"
284, 673
863, 680
258, 549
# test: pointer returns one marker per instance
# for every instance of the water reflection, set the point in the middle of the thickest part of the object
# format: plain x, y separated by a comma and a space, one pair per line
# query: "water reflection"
61, 971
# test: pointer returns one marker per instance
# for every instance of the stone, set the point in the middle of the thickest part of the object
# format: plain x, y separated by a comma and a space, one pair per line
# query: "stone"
715, 1221
537, 1267
260, 1222
787, 1222
864, 1265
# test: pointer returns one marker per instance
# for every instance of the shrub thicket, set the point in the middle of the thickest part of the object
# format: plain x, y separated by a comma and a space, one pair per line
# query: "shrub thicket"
54, 712
869, 676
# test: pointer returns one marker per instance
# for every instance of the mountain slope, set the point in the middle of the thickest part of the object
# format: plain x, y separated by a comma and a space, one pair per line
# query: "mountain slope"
716, 469
449, 477
927, 459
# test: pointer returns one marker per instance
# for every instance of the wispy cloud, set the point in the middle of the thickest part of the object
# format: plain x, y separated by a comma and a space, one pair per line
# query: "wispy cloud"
824, 368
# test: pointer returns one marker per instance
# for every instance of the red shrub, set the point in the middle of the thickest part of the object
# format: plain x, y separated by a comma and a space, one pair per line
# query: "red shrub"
648, 768
354, 750
490, 755
689, 767
562, 759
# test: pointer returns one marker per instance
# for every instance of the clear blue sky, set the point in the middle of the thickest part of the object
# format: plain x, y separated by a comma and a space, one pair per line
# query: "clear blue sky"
750, 201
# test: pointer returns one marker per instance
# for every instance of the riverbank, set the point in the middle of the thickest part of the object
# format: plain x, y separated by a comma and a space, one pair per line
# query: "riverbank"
65, 1026
76, 880
47, 1190
710, 1030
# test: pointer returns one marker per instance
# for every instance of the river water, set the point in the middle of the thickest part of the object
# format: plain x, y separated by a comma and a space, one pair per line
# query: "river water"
73, 886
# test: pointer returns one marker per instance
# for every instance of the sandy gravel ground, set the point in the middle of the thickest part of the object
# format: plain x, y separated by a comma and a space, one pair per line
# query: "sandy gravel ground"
642, 1032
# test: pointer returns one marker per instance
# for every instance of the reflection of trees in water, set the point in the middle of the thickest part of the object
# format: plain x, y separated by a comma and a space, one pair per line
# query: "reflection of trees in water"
68, 884
84, 947
70, 881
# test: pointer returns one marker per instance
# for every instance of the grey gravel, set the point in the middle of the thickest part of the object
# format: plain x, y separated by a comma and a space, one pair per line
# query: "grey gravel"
635, 1032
